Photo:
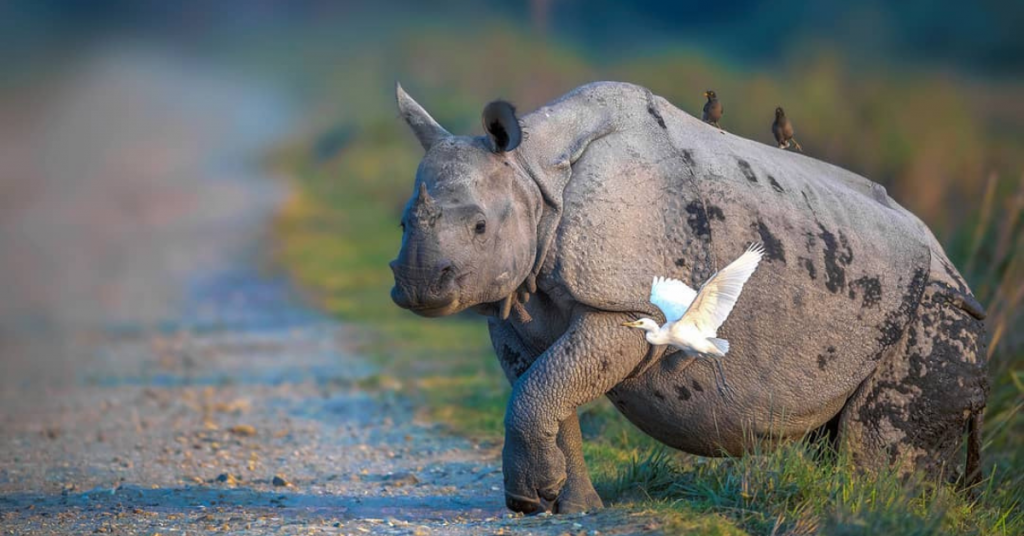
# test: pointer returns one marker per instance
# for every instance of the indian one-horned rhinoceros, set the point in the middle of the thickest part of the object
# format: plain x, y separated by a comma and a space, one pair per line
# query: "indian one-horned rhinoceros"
856, 324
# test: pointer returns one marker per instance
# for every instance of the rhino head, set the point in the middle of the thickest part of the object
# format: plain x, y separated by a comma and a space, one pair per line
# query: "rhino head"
469, 231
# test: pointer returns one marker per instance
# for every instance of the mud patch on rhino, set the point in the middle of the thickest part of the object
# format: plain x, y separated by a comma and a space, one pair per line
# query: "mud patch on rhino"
773, 250
930, 399
953, 276
697, 386
826, 357
747, 171
683, 393
775, 184
698, 218
870, 289
891, 329
656, 115
837, 255
808, 265
688, 158
513, 360
680, 262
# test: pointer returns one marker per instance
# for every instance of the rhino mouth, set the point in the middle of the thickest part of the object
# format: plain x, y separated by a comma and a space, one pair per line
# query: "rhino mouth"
430, 303
432, 311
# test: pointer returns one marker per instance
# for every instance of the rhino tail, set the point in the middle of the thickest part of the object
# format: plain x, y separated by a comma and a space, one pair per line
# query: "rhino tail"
972, 469
721, 344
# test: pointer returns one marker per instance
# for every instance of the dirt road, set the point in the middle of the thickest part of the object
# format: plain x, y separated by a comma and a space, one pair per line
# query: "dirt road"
154, 380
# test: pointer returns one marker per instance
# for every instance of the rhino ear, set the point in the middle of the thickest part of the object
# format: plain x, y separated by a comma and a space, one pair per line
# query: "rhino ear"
426, 129
502, 126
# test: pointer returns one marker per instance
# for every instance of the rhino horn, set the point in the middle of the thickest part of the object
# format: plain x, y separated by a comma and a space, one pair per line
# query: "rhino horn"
426, 208
426, 129
424, 197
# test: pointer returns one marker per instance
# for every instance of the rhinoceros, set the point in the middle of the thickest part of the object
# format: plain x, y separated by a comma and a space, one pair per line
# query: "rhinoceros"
552, 225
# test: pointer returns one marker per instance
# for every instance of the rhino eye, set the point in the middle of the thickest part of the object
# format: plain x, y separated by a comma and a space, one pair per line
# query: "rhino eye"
481, 227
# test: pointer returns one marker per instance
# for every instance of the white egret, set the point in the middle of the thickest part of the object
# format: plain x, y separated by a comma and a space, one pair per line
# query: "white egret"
692, 318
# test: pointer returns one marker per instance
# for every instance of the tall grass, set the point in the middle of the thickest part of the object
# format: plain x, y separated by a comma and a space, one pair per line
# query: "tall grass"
803, 488
993, 263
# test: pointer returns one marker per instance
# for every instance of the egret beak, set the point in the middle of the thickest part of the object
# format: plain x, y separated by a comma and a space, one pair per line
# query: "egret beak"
635, 324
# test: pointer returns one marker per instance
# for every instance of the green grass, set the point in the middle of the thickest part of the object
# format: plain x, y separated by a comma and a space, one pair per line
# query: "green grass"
339, 230
800, 488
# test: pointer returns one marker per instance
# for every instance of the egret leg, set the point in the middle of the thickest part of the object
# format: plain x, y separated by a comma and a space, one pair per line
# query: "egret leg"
718, 372
721, 372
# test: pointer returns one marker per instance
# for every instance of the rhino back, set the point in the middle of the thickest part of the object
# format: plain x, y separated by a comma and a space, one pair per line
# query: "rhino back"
671, 196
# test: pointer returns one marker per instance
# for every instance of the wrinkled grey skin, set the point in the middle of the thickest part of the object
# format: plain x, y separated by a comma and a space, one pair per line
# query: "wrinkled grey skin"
856, 324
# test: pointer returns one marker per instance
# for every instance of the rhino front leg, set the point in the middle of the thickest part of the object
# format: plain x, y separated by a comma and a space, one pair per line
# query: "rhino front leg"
578, 494
593, 356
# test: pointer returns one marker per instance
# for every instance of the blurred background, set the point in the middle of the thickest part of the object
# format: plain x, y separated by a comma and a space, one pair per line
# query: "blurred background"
926, 98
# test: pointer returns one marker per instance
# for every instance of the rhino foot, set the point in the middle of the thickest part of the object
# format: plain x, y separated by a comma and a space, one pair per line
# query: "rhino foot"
577, 497
524, 505
533, 472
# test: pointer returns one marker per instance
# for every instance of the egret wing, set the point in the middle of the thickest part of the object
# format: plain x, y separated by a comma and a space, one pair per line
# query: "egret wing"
672, 296
717, 297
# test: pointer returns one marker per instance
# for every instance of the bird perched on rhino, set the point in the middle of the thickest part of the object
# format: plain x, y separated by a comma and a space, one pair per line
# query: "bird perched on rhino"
712, 109
783, 130
692, 318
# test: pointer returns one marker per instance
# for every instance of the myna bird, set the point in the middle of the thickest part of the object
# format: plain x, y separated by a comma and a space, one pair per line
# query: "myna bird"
783, 130
712, 109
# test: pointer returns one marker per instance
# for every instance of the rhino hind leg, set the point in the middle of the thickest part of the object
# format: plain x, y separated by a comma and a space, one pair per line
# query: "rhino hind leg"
929, 388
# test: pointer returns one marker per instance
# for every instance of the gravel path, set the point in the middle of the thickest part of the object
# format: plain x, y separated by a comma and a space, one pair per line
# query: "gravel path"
154, 380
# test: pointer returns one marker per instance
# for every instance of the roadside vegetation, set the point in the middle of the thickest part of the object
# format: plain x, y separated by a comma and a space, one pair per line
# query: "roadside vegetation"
957, 165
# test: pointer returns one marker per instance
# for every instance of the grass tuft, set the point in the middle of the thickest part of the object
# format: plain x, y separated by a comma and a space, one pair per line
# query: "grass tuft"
800, 488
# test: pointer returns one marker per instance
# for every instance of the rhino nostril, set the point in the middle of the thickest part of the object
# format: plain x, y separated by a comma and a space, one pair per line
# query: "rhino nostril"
400, 297
445, 276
